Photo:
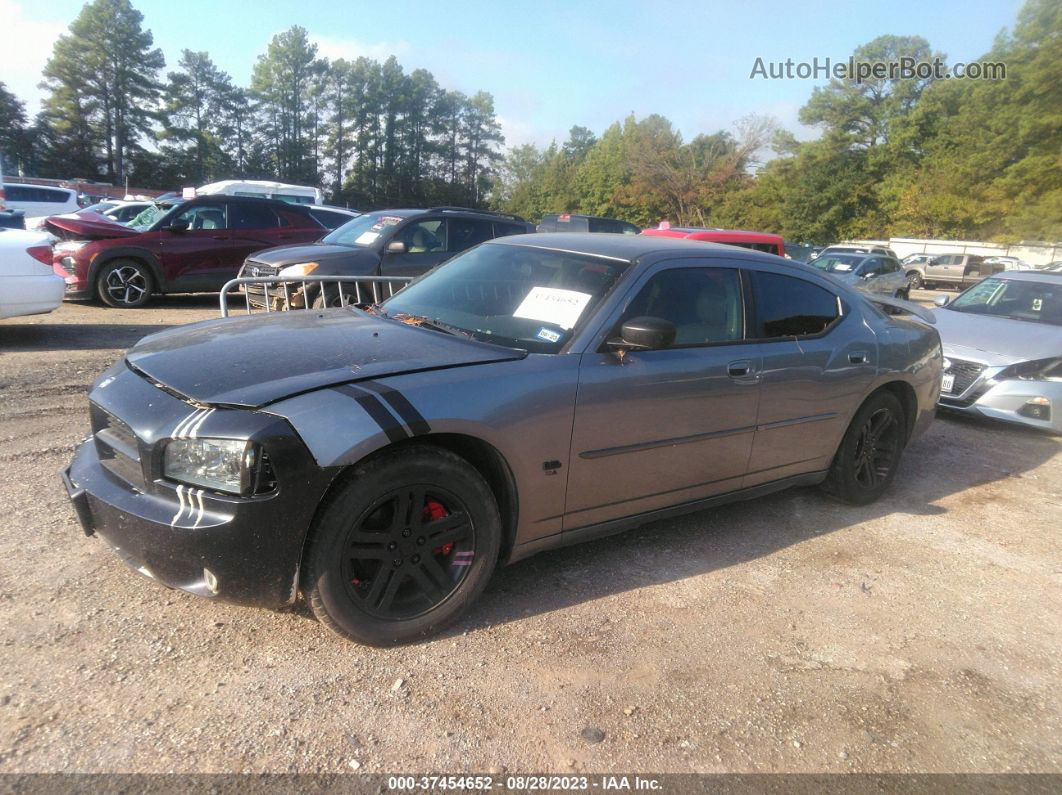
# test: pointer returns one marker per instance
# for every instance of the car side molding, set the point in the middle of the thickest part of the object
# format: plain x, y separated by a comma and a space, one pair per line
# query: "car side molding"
615, 526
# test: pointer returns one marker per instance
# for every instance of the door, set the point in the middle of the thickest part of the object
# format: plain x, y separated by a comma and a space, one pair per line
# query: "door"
815, 368
871, 274
893, 279
656, 428
254, 227
945, 268
193, 257
425, 242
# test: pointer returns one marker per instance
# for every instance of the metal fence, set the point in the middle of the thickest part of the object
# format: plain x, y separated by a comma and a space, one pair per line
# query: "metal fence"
274, 294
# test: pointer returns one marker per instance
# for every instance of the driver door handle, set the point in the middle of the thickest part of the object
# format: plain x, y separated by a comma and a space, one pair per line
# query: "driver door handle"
741, 370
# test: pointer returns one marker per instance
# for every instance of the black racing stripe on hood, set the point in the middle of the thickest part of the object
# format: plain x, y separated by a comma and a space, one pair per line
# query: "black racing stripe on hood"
376, 410
400, 403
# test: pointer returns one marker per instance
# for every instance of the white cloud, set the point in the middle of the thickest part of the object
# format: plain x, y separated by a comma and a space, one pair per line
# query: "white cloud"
27, 45
332, 48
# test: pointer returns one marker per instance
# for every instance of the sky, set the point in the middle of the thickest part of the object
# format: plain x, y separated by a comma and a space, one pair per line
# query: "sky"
549, 65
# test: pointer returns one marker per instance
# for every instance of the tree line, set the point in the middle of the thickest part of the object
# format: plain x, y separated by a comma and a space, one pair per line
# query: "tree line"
937, 158
370, 133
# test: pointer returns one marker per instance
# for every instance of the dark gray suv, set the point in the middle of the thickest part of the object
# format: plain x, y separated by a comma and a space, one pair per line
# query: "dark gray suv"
380, 243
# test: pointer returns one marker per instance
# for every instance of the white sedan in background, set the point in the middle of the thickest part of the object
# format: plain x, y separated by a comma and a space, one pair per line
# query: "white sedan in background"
28, 285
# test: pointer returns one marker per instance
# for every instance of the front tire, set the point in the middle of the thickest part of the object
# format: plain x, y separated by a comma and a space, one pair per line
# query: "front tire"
125, 284
915, 280
869, 454
403, 547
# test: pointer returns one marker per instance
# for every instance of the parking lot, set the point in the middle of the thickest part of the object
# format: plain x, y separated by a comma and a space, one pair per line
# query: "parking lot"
792, 633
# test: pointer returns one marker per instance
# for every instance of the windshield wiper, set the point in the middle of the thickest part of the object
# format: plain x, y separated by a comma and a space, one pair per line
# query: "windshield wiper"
435, 325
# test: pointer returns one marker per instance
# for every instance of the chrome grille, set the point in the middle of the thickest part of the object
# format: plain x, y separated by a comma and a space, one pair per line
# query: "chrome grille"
117, 446
965, 374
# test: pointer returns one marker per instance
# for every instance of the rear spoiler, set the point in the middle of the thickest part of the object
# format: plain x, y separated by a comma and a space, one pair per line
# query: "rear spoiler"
909, 307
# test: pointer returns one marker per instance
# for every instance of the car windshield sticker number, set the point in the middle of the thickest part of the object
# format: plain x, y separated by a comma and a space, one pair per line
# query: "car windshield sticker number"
385, 221
366, 238
552, 305
548, 335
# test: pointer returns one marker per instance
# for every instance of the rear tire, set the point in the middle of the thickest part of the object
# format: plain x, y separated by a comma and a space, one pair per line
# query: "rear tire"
125, 284
869, 454
403, 548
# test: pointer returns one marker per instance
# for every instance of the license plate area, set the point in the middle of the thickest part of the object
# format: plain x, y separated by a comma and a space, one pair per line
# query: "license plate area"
948, 383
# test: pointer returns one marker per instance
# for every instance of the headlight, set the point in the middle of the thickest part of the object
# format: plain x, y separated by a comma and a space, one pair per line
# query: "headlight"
218, 464
302, 269
70, 246
1033, 370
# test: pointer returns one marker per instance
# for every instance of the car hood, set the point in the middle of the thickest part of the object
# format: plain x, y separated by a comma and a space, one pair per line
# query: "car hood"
996, 341
90, 226
256, 360
322, 253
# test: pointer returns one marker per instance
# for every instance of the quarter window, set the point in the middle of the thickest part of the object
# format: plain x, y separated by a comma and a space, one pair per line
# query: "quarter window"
251, 216
791, 307
705, 305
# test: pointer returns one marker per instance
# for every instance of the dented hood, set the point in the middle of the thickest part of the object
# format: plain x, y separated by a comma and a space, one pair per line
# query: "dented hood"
254, 360
90, 226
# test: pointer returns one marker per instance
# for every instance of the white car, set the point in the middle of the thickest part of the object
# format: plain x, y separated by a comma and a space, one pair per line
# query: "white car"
28, 285
120, 210
40, 201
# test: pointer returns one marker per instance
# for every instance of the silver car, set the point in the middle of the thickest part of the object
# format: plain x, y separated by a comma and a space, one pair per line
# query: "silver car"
875, 273
532, 392
1003, 349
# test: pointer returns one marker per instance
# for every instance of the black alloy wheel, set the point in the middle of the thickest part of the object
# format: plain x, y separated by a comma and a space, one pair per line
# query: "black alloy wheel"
869, 454
408, 552
877, 448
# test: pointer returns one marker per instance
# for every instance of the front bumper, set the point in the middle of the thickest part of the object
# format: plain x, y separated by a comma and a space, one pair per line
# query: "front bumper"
224, 551
1036, 404
239, 549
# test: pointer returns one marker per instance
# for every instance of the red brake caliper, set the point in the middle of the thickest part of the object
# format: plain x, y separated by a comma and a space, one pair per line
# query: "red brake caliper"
433, 509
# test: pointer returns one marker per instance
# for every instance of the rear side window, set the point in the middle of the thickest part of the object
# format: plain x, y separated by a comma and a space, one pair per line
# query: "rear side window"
465, 233
17, 193
504, 230
790, 307
251, 216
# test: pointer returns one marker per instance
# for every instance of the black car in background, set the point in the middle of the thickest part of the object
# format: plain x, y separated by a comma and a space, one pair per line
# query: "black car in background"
380, 243
567, 222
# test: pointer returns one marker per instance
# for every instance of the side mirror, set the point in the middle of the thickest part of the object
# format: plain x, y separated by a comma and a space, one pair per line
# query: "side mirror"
178, 226
644, 334
396, 247
942, 300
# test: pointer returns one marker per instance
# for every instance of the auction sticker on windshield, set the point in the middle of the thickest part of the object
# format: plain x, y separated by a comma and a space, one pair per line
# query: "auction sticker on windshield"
553, 305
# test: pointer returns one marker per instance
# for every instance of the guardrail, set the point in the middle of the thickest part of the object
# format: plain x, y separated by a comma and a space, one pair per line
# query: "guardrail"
378, 288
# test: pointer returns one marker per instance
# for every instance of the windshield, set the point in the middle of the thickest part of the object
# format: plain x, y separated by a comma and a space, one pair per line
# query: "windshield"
838, 263
99, 207
517, 296
363, 231
1034, 302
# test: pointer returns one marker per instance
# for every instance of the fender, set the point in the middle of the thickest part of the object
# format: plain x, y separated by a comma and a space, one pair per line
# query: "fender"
133, 252
523, 409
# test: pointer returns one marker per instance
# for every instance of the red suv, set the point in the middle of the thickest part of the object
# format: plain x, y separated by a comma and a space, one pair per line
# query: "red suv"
187, 247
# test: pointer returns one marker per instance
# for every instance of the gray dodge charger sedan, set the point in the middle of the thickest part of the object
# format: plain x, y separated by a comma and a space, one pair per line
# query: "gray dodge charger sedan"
533, 392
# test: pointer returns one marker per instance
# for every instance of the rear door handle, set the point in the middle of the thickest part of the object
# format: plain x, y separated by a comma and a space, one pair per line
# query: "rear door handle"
857, 357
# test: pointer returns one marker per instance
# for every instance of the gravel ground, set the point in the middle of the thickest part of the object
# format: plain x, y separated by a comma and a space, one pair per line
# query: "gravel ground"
786, 634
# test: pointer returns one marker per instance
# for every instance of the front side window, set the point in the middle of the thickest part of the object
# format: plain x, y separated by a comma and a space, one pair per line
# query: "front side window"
522, 297
705, 305
202, 216
423, 237
790, 307
871, 267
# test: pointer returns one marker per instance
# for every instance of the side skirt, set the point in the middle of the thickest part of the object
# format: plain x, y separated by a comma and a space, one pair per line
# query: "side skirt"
604, 529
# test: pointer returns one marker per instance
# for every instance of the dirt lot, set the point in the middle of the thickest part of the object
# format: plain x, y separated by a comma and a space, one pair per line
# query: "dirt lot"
787, 634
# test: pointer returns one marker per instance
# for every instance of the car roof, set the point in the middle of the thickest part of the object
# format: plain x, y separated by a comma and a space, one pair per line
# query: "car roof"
224, 198
1027, 276
627, 247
